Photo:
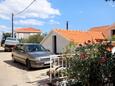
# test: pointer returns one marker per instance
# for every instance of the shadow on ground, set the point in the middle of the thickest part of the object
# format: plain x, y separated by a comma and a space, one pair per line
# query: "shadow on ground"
43, 82
22, 66
15, 64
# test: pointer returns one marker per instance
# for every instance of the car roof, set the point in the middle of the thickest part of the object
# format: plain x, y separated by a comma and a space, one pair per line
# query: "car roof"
10, 38
28, 44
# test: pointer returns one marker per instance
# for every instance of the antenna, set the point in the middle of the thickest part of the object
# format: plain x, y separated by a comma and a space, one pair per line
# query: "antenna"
67, 25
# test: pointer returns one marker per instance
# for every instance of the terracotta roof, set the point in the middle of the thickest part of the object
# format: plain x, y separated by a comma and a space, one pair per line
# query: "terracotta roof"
24, 30
104, 29
80, 37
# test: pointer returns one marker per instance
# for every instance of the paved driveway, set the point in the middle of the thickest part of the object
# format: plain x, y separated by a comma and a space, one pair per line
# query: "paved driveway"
15, 74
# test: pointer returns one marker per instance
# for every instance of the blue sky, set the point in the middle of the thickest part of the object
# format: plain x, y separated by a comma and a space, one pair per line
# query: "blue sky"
49, 14
83, 14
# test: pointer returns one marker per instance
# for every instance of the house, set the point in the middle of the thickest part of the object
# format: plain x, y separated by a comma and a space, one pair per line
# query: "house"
108, 31
26, 32
58, 39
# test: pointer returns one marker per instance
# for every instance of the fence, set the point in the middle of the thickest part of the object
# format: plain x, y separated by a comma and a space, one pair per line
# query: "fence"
61, 62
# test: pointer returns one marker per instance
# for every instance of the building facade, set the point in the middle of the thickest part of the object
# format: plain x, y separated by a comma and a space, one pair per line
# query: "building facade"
22, 33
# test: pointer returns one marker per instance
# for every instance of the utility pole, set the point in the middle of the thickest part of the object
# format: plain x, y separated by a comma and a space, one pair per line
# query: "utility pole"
12, 25
17, 14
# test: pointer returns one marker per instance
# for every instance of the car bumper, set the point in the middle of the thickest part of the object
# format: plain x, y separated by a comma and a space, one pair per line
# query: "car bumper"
9, 47
39, 64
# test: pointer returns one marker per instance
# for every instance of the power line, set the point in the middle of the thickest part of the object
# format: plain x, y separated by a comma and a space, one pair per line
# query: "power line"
19, 13
26, 7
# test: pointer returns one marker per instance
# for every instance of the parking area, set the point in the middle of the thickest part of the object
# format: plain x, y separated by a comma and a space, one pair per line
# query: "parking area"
16, 74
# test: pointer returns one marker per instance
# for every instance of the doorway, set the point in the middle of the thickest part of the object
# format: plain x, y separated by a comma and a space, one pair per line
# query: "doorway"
54, 44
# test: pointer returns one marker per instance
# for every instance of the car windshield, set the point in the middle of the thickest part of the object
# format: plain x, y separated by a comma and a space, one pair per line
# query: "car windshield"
34, 48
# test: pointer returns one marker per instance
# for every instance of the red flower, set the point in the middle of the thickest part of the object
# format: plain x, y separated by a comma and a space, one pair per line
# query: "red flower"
103, 59
83, 55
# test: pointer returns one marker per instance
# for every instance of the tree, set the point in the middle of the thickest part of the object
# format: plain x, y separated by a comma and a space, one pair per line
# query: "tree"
33, 39
5, 35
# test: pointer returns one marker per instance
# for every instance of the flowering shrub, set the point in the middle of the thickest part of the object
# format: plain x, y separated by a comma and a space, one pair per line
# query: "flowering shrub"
90, 65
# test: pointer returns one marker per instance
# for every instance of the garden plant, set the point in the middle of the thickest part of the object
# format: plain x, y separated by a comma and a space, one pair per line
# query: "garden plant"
91, 64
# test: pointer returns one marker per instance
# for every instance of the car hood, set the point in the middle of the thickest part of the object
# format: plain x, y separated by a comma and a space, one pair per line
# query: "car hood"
40, 54
11, 42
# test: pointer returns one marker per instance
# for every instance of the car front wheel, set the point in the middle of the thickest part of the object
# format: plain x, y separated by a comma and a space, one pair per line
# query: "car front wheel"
13, 59
28, 64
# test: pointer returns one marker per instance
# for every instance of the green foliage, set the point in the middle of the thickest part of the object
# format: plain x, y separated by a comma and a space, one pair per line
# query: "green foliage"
113, 38
5, 35
69, 48
90, 64
33, 39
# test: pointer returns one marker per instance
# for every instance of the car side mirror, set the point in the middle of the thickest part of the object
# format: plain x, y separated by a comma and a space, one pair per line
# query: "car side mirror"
22, 50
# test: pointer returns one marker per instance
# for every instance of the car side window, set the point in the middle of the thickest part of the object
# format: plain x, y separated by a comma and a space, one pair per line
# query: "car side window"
27, 48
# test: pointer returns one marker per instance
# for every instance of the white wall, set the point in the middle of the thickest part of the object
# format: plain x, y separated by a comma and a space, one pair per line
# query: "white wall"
61, 42
24, 35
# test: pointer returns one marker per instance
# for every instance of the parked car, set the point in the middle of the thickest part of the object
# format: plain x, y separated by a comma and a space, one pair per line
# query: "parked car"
2, 41
10, 43
32, 55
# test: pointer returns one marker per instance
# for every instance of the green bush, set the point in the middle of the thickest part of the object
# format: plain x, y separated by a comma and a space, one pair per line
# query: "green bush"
113, 38
33, 39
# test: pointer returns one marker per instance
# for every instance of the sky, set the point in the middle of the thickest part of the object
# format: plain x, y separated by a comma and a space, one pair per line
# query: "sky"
47, 15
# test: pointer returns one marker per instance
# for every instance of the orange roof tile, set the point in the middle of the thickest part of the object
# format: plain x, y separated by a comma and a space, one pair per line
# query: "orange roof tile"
80, 37
104, 29
24, 30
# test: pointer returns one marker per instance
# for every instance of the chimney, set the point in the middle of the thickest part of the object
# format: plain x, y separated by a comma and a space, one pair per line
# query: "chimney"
66, 25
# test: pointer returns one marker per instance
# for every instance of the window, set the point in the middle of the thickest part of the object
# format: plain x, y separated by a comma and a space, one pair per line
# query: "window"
34, 48
113, 32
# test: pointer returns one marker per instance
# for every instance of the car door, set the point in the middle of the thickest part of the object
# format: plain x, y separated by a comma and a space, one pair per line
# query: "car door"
20, 53
23, 54
16, 52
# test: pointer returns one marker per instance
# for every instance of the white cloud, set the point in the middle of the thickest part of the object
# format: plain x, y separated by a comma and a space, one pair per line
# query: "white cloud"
53, 22
29, 22
4, 17
4, 28
39, 9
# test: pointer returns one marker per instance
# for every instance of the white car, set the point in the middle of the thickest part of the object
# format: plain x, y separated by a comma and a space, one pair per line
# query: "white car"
10, 43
